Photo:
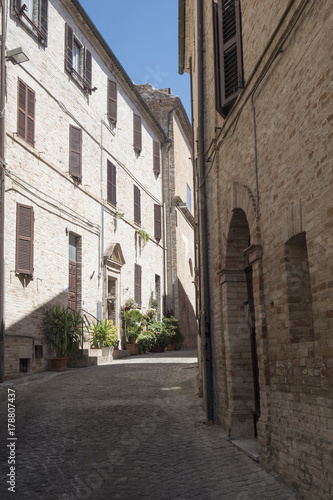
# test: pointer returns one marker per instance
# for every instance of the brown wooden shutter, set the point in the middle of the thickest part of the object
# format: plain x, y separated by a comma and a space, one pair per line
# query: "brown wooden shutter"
16, 4
75, 152
217, 59
24, 239
111, 183
137, 284
26, 113
31, 117
87, 67
112, 100
68, 48
137, 205
43, 18
156, 152
158, 221
228, 45
22, 109
137, 133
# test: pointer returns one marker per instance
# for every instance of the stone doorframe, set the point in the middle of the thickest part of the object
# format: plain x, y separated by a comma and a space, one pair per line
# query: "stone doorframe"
239, 381
114, 261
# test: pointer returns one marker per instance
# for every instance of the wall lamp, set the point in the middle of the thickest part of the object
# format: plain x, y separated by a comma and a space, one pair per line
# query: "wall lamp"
17, 56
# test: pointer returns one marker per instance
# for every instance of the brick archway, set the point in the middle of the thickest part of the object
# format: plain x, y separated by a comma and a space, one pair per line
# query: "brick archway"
242, 295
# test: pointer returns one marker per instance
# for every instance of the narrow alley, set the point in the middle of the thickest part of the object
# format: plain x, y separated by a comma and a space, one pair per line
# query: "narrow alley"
130, 430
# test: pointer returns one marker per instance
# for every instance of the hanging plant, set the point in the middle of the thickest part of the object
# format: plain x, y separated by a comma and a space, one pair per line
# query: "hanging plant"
144, 237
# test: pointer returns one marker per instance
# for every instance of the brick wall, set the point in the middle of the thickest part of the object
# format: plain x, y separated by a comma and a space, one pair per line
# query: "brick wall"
39, 177
293, 112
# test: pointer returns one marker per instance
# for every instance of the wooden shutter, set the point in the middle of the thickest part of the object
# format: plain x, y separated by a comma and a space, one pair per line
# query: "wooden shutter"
112, 100
22, 109
137, 133
158, 221
43, 18
24, 239
75, 152
30, 116
137, 205
156, 152
87, 67
112, 183
68, 48
16, 4
228, 53
26, 113
137, 284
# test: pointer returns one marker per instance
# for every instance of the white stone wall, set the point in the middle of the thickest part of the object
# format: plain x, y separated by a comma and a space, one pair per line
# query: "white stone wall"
39, 176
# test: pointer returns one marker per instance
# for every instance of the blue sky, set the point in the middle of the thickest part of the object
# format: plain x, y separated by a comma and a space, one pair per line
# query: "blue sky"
144, 37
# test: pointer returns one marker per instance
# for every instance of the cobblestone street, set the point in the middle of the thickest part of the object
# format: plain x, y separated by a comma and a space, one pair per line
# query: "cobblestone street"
130, 430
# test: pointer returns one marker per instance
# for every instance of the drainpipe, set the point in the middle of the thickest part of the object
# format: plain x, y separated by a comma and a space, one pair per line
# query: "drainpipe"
205, 313
164, 308
102, 228
2, 186
170, 210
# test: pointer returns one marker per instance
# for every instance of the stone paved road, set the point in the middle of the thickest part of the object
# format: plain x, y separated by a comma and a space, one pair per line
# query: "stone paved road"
131, 430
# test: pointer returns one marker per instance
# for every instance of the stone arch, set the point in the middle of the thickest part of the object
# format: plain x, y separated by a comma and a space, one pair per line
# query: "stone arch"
242, 305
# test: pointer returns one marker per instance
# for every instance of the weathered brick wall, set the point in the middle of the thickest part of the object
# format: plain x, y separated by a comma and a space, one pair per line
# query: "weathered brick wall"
293, 105
39, 177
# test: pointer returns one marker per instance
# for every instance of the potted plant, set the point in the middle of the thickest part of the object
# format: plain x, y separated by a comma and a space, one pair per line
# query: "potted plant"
172, 326
104, 335
161, 336
62, 328
145, 341
134, 323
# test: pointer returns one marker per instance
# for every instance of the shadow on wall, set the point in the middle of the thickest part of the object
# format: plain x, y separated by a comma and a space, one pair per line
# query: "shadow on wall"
26, 350
187, 318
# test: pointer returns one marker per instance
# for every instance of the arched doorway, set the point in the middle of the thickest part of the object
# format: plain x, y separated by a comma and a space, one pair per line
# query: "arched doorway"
242, 372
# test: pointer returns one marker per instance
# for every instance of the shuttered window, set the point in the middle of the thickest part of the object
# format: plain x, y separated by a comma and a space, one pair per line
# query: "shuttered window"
75, 152
112, 101
137, 284
228, 56
156, 153
137, 205
24, 239
137, 133
112, 184
158, 221
26, 113
34, 16
78, 60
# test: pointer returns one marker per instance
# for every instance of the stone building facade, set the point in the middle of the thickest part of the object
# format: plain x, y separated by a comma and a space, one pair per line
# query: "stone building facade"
83, 166
262, 83
179, 207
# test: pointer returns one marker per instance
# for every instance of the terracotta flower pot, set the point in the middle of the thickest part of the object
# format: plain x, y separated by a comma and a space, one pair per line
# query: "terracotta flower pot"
58, 364
132, 348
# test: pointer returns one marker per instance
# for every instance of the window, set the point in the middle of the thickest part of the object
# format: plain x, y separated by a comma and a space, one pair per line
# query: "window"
111, 184
26, 113
137, 133
38, 351
156, 152
299, 295
112, 101
228, 55
137, 284
24, 365
33, 14
158, 221
189, 198
75, 152
78, 61
137, 205
24, 239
